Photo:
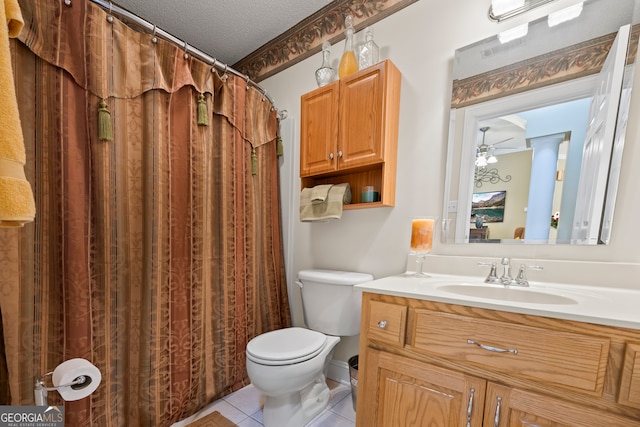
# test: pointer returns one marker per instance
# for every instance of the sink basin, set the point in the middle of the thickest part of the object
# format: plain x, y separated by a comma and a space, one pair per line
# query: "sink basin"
498, 292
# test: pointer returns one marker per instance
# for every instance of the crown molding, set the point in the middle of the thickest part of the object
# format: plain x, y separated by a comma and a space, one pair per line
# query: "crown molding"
305, 38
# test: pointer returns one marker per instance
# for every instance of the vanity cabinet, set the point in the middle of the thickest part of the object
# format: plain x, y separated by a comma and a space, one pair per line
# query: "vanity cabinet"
511, 407
349, 133
425, 363
410, 391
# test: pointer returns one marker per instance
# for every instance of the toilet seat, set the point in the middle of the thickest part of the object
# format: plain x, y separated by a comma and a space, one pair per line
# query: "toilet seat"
285, 346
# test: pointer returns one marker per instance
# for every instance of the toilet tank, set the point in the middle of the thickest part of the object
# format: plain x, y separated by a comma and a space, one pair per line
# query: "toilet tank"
330, 303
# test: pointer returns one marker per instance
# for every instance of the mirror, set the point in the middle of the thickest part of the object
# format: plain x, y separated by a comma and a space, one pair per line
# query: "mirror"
529, 115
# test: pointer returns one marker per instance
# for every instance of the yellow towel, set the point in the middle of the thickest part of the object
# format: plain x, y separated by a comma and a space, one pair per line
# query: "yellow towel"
16, 197
331, 208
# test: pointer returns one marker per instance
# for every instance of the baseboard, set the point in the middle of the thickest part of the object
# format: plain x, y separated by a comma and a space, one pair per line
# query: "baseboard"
339, 371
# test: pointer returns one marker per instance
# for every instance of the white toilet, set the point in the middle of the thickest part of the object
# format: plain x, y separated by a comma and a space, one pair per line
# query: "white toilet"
289, 365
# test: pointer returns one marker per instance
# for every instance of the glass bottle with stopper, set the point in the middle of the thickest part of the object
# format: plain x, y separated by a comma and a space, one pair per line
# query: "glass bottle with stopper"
348, 62
325, 74
369, 53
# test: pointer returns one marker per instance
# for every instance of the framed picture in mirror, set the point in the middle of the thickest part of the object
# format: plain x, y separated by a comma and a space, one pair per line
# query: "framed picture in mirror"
487, 207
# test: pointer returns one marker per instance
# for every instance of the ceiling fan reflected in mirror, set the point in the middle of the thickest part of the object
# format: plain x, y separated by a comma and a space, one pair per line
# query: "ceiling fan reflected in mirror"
486, 154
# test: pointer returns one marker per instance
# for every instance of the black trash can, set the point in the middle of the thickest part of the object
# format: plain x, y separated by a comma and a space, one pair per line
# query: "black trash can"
353, 378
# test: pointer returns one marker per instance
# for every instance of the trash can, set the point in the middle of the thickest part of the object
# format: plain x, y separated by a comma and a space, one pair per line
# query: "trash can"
353, 378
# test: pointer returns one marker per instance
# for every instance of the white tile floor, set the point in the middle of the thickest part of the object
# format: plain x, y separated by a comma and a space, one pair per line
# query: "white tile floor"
244, 407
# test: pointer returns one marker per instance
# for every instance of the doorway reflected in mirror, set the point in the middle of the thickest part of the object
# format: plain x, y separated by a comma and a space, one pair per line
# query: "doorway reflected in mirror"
540, 88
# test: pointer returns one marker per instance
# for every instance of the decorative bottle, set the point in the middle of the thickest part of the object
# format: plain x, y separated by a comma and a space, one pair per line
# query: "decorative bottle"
325, 74
369, 51
348, 62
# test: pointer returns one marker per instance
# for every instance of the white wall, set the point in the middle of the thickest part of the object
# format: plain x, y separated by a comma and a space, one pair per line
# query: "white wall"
421, 40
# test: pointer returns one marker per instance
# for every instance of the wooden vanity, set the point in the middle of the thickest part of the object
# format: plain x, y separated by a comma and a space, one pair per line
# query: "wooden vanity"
428, 363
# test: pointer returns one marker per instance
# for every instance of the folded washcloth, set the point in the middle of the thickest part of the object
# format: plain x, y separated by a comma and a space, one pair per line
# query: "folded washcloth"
319, 193
16, 197
331, 208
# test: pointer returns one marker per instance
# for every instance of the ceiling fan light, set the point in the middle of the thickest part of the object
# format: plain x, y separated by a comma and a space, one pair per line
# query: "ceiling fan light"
481, 161
500, 7
492, 155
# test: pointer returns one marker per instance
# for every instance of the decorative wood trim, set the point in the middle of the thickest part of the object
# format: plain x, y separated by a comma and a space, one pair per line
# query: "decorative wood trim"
305, 39
575, 61
630, 382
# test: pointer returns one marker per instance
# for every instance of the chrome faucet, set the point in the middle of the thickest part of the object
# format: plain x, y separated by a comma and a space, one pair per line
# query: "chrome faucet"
492, 277
521, 278
506, 278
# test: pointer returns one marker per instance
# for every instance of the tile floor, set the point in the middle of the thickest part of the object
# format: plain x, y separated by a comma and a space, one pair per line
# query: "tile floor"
244, 407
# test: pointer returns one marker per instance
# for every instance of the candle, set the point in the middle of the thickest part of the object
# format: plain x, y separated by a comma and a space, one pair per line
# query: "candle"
422, 234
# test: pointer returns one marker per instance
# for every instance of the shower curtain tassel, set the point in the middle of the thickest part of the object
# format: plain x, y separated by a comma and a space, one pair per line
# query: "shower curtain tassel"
254, 161
203, 116
105, 131
279, 147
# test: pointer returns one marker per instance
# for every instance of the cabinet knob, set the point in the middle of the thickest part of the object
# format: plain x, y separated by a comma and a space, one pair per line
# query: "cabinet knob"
382, 324
331, 156
339, 153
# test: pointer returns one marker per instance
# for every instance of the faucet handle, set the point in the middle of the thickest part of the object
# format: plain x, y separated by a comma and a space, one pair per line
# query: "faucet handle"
521, 279
492, 277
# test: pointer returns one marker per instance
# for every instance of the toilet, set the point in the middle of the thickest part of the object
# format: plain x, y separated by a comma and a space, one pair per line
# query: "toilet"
288, 366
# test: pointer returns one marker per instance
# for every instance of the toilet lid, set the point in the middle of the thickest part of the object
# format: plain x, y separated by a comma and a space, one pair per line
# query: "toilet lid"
285, 346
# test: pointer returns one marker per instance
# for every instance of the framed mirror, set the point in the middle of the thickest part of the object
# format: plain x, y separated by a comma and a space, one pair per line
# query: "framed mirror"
537, 124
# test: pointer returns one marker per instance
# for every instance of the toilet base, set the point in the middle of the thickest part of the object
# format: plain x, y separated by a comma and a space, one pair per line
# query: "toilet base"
296, 409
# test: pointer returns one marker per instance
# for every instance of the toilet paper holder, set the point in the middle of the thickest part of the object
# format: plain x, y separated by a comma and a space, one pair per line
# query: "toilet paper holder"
81, 385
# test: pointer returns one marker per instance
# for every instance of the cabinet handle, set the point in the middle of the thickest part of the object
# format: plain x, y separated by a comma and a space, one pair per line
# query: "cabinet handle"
331, 155
494, 349
470, 407
339, 153
382, 324
496, 420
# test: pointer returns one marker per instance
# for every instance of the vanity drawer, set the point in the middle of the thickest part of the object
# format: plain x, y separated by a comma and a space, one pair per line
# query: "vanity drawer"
387, 322
553, 357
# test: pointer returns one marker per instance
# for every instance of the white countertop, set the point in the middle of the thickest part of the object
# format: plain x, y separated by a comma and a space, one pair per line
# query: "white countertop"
599, 305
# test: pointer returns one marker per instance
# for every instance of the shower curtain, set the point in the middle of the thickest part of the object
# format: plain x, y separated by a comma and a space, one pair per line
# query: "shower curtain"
156, 252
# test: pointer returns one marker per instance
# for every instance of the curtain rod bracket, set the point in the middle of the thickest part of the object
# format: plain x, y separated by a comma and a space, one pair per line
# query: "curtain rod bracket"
282, 114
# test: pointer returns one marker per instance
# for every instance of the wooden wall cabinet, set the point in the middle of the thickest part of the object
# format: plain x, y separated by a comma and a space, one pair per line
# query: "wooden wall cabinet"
349, 133
424, 363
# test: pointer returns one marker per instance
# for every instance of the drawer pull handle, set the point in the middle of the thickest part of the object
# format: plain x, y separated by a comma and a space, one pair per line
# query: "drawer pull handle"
470, 407
496, 420
382, 324
494, 349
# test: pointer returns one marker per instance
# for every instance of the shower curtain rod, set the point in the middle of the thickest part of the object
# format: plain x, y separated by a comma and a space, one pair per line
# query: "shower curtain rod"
115, 9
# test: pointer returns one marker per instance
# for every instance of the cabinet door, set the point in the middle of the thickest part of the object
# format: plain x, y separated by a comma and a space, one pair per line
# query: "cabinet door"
319, 130
361, 118
507, 407
402, 392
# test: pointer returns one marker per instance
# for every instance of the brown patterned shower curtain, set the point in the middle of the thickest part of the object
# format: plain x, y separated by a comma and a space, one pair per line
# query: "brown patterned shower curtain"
156, 255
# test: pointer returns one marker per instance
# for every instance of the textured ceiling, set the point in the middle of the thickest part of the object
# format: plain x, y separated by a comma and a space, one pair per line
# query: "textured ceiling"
227, 30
